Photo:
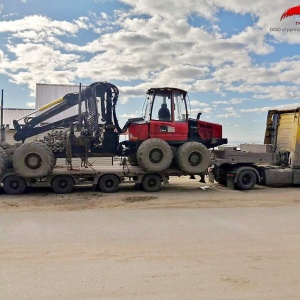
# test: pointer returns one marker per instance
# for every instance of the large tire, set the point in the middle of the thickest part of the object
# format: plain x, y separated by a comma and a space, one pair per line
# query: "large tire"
154, 155
33, 160
3, 161
2, 165
4, 155
10, 151
246, 180
193, 158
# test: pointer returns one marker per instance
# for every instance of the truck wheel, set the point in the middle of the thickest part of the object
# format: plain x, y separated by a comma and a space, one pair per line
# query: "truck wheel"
154, 155
246, 180
109, 183
193, 158
151, 183
33, 160
14, 185
62, 184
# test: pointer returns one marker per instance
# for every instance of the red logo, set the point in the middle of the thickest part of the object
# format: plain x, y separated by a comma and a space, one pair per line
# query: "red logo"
291, 12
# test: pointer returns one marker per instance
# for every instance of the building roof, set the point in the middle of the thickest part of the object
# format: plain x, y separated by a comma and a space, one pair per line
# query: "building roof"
10, 114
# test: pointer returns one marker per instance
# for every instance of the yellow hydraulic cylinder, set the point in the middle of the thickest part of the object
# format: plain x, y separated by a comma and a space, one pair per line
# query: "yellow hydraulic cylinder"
50, 104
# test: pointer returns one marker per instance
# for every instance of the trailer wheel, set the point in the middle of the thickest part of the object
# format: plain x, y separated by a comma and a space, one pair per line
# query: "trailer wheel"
109, 183
246, 180
193, 158
14, 185
62, 184
151, 183
33, 160
154, 155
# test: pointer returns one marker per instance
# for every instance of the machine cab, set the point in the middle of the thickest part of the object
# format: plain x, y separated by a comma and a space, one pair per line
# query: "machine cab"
166, 112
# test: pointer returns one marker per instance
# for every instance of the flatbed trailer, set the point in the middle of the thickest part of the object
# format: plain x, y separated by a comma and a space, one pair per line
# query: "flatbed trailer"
107, 179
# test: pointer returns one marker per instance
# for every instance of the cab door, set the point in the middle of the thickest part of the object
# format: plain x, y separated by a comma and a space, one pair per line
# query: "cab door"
168, 117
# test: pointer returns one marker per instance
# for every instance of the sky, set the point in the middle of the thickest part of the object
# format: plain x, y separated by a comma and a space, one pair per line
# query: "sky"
236, 59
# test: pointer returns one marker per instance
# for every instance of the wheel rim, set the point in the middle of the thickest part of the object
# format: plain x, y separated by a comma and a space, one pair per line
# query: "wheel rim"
109, 183
33, 161
156, 155
195, 158
152, 182
246, 179
63, 184
14, 185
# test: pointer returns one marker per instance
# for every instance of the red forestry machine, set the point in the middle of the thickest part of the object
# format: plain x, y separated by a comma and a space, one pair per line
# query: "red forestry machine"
165, 135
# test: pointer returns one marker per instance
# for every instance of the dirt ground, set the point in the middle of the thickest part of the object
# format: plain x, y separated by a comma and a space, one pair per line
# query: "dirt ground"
188, 241
180, 192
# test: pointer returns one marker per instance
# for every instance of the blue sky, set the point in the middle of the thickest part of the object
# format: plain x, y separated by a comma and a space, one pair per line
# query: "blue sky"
222, 52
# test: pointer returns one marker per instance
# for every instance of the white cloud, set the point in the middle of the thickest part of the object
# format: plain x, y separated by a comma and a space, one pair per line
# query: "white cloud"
233, 101
206, 110
30, 104
37, 63
267, 108
198, 103
229, 115
173, 10
38, 23
127, 116
272, 92
1, 7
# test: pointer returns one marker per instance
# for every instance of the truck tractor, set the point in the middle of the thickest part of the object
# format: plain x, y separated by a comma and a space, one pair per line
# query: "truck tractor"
163, 136
274, 163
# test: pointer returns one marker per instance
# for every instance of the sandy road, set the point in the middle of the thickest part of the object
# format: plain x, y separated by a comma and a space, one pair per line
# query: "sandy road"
181, 243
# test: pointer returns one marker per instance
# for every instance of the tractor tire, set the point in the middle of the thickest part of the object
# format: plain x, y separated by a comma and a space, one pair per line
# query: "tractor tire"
33, 160
2, 165
10, 151
4, 157
193, 158
154, 155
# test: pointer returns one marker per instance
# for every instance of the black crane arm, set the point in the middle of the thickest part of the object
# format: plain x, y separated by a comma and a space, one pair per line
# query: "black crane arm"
107, 94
